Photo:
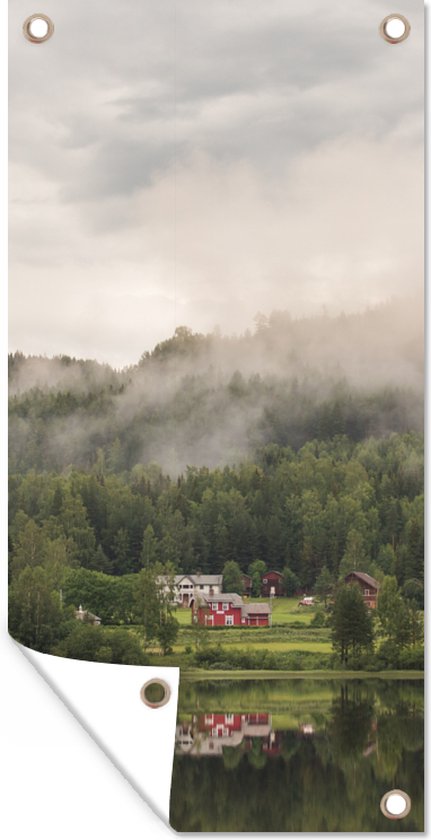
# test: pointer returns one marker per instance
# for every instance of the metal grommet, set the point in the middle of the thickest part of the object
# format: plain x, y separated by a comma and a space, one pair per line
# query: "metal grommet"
38, 28
155, 693
395, 28
395, 804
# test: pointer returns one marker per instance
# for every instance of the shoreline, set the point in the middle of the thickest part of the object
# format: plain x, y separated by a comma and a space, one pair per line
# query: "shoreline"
200, 674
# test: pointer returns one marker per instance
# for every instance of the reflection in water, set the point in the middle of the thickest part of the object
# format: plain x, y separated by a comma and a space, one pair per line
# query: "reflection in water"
210, 734
319, 758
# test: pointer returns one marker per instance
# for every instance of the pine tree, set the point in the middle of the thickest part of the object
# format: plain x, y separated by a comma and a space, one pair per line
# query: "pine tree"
324, 585
149, 553
352, 630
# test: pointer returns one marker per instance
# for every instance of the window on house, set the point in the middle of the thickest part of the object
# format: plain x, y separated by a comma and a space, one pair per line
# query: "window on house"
228, 620
225, 605
366, 591
228, 719
265, 580
214, 605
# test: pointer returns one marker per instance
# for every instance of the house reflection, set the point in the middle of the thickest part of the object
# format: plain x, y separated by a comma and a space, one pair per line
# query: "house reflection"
209, 734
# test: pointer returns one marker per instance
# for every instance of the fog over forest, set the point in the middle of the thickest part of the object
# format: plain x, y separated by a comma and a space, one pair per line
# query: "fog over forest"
212, 399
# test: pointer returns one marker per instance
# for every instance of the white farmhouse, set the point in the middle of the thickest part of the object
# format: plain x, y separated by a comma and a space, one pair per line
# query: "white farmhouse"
186, 587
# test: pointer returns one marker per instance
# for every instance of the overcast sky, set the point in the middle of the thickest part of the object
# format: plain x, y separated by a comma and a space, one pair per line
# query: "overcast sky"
197, 161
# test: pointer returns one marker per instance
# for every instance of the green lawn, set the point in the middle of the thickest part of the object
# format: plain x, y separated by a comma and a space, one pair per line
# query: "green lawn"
286, 611
290, 631
280, 646
183, 616
268, 644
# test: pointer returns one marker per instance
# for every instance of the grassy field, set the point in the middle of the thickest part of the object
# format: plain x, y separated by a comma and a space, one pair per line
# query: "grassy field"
316, 646
291, 630
291, 634
279, 637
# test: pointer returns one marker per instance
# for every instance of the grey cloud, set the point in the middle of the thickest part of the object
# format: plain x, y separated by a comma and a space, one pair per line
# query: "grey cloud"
157, 72
209, 159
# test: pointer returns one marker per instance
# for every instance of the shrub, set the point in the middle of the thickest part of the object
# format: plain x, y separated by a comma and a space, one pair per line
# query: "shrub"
318, 619
222, 659
98, 644
412, 658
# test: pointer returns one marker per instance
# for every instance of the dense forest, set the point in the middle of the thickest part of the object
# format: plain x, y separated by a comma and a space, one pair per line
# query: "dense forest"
209, 400
266, 447
330, 504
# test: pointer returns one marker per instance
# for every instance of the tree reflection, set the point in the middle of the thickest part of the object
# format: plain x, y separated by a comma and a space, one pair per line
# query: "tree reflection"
324, 771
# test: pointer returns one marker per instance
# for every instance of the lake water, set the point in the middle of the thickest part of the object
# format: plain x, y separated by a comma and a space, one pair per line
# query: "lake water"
297, 755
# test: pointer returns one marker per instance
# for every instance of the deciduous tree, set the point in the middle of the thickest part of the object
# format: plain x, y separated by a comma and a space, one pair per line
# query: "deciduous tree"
232, 577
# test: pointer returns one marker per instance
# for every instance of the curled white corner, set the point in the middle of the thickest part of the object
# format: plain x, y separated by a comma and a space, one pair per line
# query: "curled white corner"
106, 700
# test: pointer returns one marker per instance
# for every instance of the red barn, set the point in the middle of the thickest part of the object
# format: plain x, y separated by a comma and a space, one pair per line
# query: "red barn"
257, 615
272, 583
368, 585
229, 610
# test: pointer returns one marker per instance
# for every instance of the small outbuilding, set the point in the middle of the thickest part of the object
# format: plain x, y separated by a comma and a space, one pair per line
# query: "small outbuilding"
87, 617
368, 585
272, 583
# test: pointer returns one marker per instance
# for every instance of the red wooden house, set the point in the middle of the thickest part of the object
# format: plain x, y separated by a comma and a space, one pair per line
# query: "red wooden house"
272, 583
368, 585
220, 725
208, 734
228, 610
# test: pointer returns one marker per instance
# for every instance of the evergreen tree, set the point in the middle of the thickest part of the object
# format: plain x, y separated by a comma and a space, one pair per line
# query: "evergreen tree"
291, 582
149, 553
121, 552
352, 630
398, 619
324, 585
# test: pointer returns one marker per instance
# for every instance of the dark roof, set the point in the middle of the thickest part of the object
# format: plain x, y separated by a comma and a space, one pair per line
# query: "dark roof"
272, 572
230, 597
256, 609
365, 578
204, 580
209, 580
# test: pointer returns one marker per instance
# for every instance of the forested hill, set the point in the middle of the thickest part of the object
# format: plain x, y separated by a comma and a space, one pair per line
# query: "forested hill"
209, 400
336, 504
